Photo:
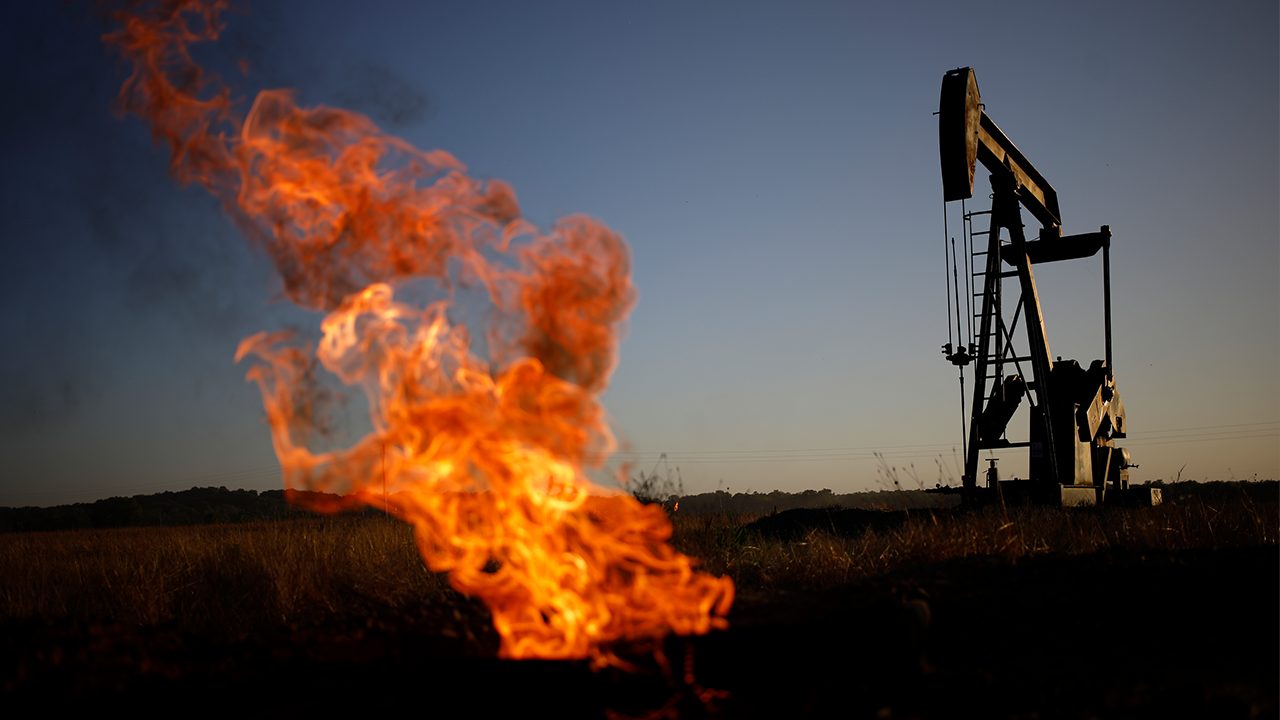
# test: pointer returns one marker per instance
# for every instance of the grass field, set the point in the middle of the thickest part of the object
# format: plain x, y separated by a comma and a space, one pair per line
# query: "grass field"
823, 558
235, 578
216, 578
929, 613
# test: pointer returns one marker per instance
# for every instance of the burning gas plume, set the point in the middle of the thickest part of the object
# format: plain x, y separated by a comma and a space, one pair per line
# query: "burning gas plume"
486, 456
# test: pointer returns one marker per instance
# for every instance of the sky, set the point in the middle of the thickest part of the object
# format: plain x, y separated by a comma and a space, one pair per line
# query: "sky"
774, 168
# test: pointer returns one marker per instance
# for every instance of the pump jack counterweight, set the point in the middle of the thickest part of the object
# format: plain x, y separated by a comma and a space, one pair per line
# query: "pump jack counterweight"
1075, 414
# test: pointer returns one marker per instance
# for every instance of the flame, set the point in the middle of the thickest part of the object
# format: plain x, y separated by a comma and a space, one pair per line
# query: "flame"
485, 455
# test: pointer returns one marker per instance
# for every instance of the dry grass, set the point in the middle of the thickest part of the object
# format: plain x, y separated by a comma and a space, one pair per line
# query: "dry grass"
822, 559
239, 578
215, 578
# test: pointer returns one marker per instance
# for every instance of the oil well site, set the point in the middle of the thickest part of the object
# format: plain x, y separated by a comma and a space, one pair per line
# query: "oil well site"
442, 432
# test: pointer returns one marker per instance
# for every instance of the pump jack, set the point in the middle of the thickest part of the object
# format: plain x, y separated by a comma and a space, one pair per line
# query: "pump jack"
1076, 414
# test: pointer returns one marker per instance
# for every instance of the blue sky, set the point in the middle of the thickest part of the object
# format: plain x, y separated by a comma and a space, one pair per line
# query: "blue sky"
774, 169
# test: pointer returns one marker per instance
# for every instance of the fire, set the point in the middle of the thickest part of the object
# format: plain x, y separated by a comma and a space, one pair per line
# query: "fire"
485, 453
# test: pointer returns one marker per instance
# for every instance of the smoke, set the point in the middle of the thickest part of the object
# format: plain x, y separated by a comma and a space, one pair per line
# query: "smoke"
100, 249
387, 98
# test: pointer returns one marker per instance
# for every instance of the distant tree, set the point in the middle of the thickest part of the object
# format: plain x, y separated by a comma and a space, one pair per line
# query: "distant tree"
115, 512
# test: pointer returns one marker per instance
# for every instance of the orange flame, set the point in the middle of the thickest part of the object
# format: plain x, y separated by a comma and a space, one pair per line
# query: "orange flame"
486, 458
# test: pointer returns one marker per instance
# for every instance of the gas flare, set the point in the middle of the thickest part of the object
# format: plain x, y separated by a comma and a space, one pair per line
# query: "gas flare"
484, 453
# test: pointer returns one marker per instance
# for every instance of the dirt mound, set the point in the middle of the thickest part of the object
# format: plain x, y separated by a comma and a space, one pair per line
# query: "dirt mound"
844, 522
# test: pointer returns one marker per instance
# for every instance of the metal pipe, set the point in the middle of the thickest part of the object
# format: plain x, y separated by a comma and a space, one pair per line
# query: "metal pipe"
1106, 294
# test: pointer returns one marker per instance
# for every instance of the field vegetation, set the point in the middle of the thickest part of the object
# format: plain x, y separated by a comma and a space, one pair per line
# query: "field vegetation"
225, 578
243, 577
830, 552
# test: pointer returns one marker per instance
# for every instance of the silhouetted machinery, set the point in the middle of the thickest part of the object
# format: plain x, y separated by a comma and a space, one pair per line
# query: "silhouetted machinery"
1076, 413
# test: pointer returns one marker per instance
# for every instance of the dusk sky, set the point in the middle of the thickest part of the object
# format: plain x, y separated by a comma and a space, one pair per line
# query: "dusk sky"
774, 168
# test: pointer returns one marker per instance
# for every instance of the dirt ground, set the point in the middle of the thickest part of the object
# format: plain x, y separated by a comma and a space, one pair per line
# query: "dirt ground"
1124, 633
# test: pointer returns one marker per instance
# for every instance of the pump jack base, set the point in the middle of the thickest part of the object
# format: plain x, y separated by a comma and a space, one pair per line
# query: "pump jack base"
1039, 492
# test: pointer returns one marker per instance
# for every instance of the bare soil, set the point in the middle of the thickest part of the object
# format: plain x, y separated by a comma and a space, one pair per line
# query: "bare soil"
1122, 633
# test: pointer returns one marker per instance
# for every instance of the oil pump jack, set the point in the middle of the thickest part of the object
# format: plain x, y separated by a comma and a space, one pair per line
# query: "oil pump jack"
1076, 414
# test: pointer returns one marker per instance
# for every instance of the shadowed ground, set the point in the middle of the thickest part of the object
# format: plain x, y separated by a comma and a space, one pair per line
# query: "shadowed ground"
1119, 633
